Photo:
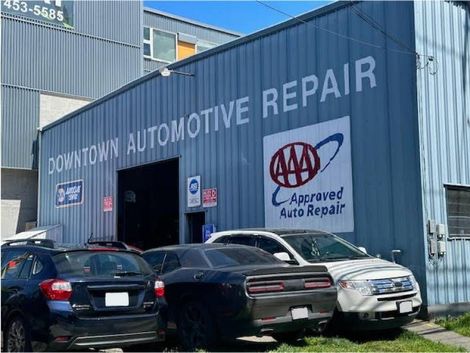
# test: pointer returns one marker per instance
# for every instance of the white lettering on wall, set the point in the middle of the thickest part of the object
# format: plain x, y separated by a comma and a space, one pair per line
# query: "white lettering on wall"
314, 88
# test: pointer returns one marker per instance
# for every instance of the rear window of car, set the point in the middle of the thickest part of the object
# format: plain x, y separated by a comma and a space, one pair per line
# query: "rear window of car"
100, 263
227, 257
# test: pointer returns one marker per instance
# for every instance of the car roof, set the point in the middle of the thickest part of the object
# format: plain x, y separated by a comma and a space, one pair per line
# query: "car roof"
278, 231
56, 248
199, 246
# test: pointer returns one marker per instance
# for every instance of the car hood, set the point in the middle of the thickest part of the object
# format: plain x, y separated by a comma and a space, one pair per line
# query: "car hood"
363, 269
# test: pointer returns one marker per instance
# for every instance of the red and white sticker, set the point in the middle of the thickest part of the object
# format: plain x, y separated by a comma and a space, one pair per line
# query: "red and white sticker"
108, 204
209, 197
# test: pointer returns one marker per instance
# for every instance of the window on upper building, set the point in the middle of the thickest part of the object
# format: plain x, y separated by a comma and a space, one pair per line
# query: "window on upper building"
147, 42
163, 46
203, 45
458, 210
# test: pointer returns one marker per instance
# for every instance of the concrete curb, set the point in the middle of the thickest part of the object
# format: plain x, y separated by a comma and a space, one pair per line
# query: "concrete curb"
436, 333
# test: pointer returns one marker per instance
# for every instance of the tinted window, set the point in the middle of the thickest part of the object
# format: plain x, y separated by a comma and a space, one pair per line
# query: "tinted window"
193, 258
271, 246
249, 240
239, 257
323, 247
171, 263
13, 266
26, 269
100, 263
38, 266
155, 259
458, 211
8, 254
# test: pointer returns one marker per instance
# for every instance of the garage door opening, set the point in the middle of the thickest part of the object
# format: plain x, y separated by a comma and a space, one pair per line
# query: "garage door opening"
148, 205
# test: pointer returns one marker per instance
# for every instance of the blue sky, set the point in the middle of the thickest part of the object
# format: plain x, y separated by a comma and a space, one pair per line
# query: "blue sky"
240, 16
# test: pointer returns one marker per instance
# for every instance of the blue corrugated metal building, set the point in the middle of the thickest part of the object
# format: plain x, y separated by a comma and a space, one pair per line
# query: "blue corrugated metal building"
58, 56
352, 118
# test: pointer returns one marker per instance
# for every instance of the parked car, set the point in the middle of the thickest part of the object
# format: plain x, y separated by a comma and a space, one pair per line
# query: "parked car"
56, 298
218, 291
372, 293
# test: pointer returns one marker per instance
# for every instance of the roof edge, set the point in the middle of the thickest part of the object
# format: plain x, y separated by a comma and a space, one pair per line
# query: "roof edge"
191, 21
231, 44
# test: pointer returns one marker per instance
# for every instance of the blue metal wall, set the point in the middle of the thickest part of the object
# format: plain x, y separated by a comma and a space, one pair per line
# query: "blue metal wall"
175, 24
384, 128
101, 53
443, 31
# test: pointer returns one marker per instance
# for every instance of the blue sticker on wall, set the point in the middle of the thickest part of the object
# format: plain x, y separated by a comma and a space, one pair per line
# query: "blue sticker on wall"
207, 230
69, 193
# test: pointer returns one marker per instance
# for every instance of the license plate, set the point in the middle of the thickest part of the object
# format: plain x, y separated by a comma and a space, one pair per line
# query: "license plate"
405, 307
117, 299
299, 313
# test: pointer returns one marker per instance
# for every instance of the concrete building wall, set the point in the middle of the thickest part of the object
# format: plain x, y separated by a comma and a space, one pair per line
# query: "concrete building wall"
53, 107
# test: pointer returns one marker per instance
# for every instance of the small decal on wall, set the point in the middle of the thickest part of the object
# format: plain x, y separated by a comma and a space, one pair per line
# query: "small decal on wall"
69, 194
107, 204
194, 191
209, 197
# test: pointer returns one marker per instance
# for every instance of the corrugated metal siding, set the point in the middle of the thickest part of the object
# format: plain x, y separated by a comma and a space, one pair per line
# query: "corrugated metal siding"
385, 153
151, 65
20, 120
115, 20
60, 61
443, 30
102, 53
175, 26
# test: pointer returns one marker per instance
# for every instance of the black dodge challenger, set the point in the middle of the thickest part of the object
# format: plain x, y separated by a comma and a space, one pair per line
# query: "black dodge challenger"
226, 291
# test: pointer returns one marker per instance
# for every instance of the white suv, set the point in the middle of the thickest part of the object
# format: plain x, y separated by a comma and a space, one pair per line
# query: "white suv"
372, 293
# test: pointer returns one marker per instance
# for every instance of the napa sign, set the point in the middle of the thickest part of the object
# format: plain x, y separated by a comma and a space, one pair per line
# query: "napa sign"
308, 177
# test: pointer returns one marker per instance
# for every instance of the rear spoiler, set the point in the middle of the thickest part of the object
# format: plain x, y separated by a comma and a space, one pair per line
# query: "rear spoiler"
288, 270
45, 243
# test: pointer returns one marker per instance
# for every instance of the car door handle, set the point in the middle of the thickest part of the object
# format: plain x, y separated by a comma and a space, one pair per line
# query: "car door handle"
198, 276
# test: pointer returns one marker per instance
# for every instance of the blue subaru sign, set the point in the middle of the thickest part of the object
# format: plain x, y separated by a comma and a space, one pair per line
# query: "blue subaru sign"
69, 193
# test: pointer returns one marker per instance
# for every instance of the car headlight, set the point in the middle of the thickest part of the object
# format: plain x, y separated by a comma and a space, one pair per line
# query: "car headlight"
363, 287
414, 282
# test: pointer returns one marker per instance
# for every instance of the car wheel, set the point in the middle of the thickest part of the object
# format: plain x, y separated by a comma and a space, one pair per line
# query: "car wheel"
17, 336
195, 327
288, 337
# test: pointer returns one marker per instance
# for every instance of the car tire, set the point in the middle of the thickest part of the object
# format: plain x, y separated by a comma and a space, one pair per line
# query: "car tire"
17, 336
196, 329
288, 337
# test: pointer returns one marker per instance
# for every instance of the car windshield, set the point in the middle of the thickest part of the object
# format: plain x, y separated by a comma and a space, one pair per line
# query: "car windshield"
323, 247
101, 264
227, 257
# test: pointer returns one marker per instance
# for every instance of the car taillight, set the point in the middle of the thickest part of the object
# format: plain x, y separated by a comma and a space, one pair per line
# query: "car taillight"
265, 287
56, 289
317, 283
159, 289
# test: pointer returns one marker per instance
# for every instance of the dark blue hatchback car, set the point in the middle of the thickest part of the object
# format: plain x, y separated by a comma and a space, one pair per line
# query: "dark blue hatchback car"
58, 298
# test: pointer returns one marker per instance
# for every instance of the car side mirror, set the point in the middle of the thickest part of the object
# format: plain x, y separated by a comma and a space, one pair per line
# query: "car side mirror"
363, 249
283, 256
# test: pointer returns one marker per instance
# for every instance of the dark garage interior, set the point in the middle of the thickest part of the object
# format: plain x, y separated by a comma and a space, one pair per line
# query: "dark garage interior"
148, 205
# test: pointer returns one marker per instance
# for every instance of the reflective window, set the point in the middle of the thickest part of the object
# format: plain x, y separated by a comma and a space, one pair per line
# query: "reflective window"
458, 211
171, 263
155, 259
164, 46
203, 46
